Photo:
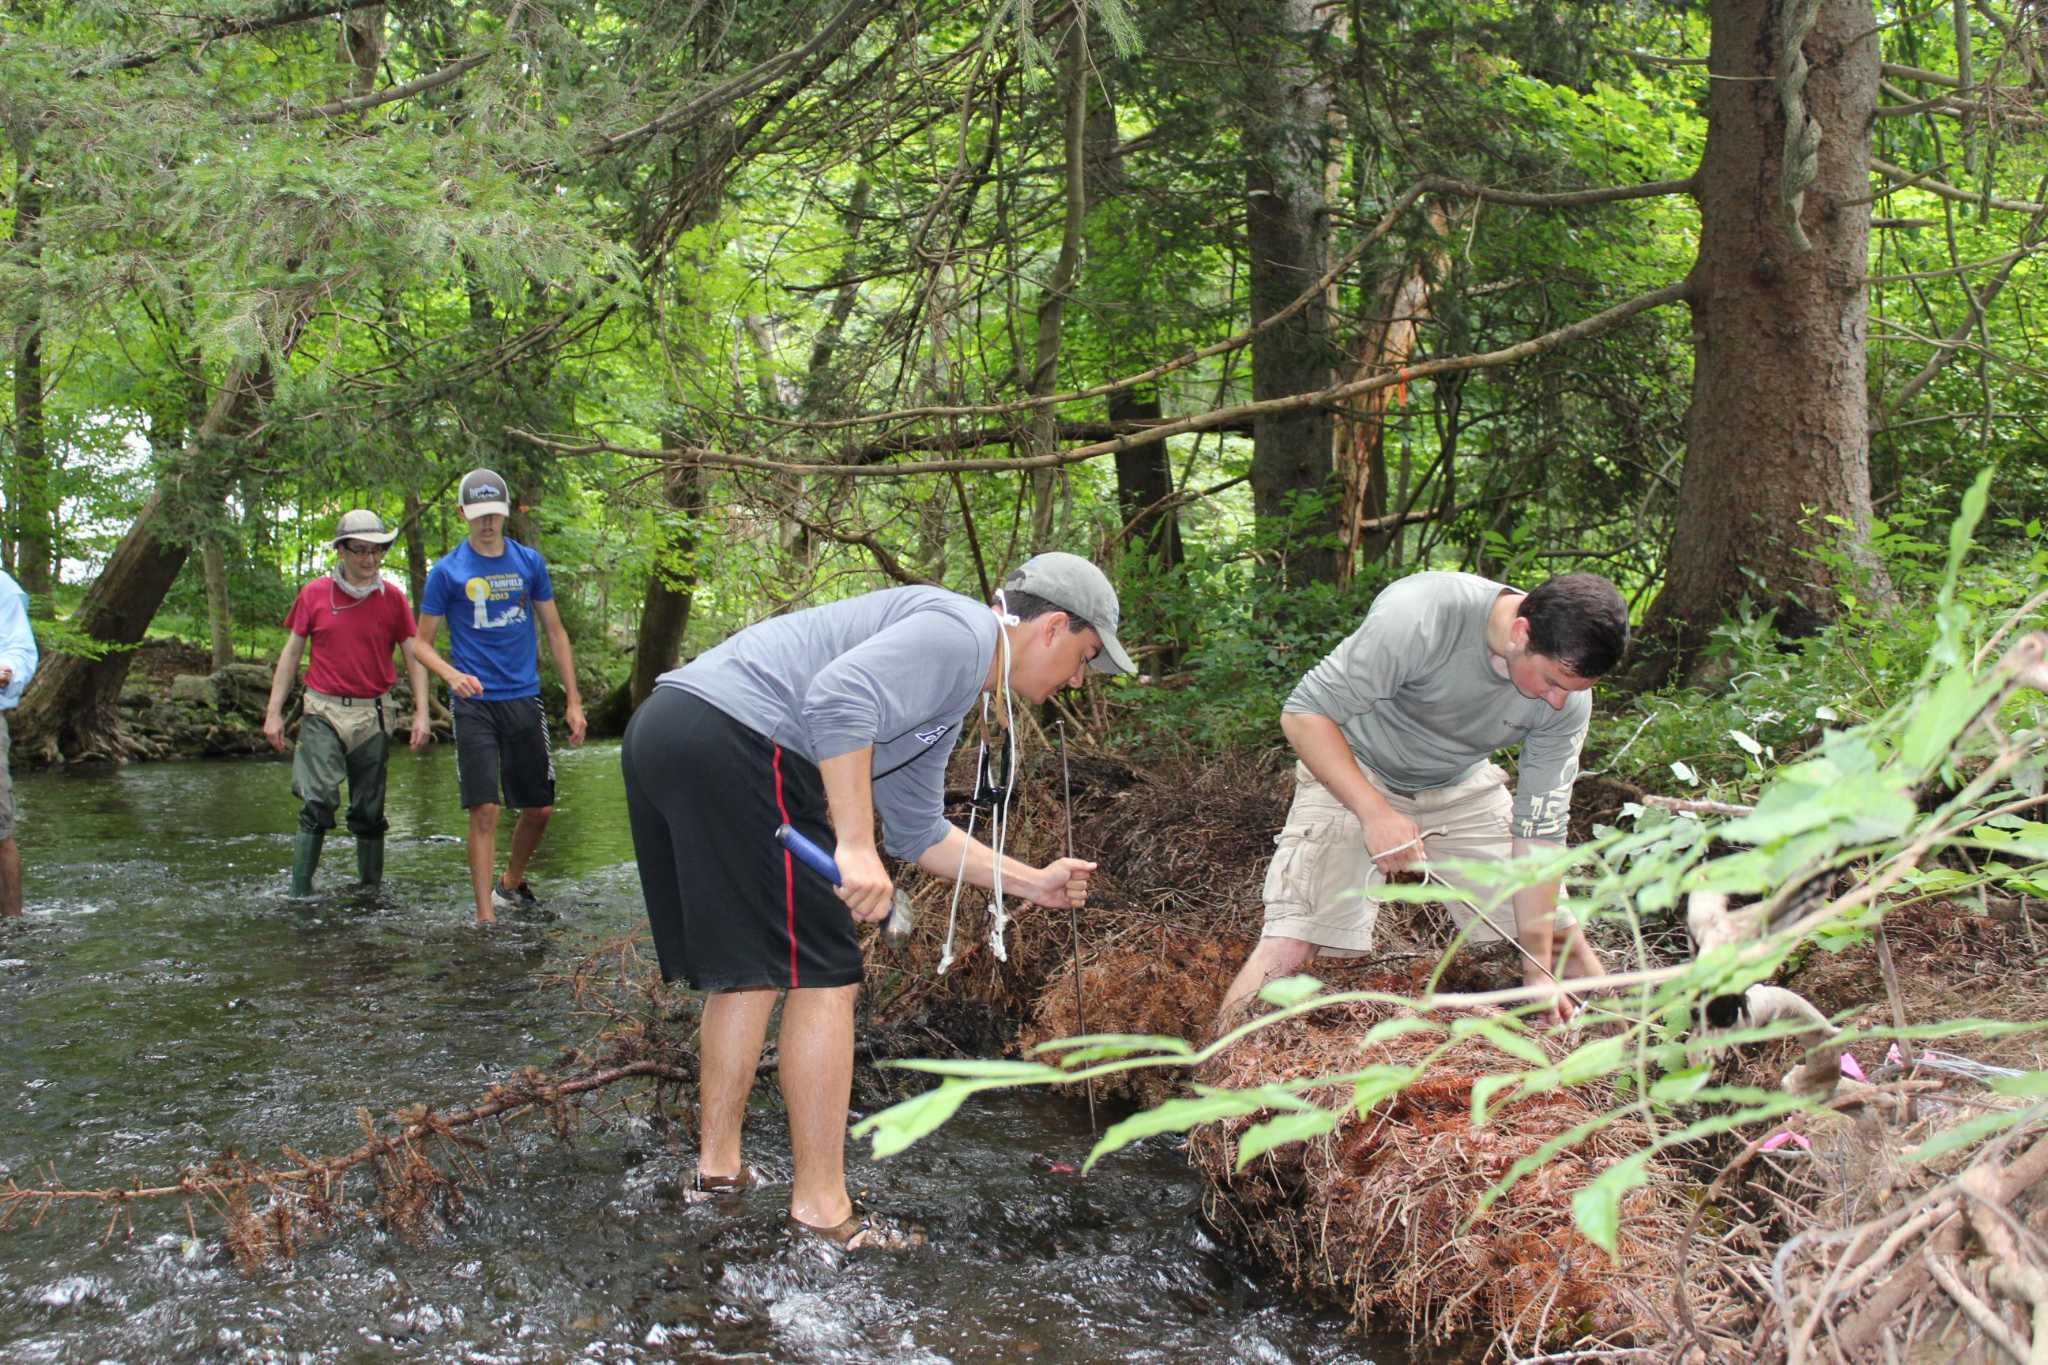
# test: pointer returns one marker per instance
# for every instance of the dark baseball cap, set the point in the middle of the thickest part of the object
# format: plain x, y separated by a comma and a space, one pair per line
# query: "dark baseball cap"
1080, 589
483, 493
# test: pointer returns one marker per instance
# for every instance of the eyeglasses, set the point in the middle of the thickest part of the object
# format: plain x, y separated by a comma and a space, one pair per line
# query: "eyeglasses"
357, 547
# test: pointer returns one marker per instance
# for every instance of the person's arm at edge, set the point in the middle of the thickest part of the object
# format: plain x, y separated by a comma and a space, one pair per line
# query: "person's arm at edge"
1536, 930
18, 654
281, 680
1327, 754
416, 675
460, 684
850, 802
565, 668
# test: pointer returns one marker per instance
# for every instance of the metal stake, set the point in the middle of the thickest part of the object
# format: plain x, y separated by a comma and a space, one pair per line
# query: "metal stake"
1073, 912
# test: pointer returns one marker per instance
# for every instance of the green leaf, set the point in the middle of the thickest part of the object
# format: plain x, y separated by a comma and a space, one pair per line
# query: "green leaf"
1966, 1134
1179, 1115
1597, 1207
1095, 1047
1388, 1029
1375, 1083
2033, 1085
980, 1069
896, 1127
1290, 991
1676, 1086
1262, 1137
1502, 1035
1484, 1089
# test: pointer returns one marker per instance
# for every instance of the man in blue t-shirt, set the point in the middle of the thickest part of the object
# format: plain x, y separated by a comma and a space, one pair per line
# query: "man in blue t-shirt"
491, 590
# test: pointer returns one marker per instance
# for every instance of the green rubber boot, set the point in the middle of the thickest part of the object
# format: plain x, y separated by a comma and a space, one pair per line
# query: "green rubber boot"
370, 860
306, 857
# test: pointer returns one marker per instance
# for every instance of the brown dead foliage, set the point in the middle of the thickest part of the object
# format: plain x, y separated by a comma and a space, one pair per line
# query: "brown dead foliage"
1181, 854
1383, 1213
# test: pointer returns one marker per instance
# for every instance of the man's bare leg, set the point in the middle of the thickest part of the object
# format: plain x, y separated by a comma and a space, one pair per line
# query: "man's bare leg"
1272, 959
816, 1047
525, 838
10, 878
483, 852
735, 1022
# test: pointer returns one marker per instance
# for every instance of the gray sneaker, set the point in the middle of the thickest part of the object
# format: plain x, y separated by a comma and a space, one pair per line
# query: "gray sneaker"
519, 897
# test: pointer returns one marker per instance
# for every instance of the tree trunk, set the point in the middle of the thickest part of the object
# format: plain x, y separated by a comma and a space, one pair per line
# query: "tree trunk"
1052, 301
1144, 476
1286, 235
220, 616
415, 548
1388, 341
72, 708
32, 537
1779, 433
665, 614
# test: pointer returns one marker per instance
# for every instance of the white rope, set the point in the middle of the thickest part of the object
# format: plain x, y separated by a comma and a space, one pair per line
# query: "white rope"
959, 878
1000, 820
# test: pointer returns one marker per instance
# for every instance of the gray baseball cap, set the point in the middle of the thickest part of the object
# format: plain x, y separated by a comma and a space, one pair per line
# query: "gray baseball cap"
483, 493
1080, 589
363, 524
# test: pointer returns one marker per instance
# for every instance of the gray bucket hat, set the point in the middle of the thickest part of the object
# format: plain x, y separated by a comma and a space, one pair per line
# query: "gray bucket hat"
1080, 589
362, 524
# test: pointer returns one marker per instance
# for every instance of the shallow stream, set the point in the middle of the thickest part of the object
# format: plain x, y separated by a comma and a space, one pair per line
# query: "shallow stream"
162, 1000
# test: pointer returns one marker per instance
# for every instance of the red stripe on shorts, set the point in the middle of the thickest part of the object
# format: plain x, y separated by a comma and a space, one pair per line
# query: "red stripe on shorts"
788, 874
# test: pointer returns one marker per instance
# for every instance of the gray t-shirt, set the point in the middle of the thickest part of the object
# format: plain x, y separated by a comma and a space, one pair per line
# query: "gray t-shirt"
1416, 695
897, 669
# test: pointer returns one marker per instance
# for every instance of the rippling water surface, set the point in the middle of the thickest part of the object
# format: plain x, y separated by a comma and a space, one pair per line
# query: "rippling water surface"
162, 1000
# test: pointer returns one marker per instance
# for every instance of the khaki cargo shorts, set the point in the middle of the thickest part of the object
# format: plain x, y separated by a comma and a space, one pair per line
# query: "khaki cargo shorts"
1317, 882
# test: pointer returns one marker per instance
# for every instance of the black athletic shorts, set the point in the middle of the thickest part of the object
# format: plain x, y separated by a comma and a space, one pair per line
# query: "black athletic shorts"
502, 754
730, 909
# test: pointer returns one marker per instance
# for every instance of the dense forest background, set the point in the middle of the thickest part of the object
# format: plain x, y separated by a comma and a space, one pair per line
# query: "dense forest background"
761, 304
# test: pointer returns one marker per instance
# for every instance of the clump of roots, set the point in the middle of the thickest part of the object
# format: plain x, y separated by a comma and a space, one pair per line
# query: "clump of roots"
1387, 1213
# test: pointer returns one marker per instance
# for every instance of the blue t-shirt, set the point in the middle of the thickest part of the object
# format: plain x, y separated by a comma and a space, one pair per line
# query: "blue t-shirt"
488, 604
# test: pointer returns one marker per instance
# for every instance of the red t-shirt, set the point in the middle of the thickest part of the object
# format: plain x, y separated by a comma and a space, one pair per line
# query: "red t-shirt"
352, 638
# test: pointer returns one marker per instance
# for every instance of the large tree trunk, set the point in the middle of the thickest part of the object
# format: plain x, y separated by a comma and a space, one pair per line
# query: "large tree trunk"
1144, 476
1052, 301
1778, 444
665, 613
72, 709
31, 496
220, 612
1286, 233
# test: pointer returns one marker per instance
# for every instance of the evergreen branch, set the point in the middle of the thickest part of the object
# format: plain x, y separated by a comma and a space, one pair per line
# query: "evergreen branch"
738, 87
356, 104
1581, 330
227, 28
1922, 181
1313, 293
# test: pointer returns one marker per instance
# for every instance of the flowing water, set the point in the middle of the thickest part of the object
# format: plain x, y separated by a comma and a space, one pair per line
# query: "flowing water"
163, 1000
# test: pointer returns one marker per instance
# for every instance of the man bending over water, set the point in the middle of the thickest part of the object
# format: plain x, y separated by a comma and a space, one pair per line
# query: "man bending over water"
822, 719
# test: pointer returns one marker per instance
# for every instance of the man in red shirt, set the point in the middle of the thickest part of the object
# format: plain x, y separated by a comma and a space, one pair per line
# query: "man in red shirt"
355, 618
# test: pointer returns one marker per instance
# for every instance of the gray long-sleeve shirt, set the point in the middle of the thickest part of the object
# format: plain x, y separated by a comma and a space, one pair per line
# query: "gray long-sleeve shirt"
897, 669
1416, 695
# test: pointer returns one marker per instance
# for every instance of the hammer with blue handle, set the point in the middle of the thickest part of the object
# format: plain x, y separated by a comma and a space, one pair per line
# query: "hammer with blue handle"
822, 863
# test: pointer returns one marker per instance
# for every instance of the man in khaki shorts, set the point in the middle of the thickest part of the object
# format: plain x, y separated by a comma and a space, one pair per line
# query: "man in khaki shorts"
1396, 730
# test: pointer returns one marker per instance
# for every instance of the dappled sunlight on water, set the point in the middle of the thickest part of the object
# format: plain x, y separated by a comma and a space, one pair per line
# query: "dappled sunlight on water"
162, 1000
